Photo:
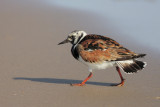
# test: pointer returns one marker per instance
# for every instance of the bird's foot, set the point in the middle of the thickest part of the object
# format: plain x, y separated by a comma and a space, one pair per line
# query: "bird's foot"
78, 84
83, 83
119, 84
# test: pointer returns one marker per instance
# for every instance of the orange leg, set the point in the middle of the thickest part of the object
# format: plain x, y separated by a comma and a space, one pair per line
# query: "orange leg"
83, 83
122, 79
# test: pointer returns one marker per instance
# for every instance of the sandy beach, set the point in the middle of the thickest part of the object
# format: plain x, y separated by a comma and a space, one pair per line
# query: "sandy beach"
36, 72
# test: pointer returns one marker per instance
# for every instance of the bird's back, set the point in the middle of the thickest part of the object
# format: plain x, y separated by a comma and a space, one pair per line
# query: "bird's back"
96, 48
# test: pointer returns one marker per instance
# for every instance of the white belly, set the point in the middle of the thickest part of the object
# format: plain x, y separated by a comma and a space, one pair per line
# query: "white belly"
102, 65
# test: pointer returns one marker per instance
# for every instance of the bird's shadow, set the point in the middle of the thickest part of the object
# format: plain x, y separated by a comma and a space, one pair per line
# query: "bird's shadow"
62, 81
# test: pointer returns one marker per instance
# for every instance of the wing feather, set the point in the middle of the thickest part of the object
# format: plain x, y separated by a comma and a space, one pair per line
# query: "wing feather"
96, 48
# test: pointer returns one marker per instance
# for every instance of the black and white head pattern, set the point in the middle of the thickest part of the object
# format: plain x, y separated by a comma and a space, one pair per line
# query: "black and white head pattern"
76, 36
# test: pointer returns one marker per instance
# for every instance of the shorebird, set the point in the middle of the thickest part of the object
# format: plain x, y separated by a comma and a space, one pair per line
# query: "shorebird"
101, 52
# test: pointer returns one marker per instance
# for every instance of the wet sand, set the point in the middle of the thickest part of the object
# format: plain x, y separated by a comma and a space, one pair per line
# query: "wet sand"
36, 72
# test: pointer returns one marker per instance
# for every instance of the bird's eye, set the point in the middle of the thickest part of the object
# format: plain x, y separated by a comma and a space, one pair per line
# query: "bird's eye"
71, 37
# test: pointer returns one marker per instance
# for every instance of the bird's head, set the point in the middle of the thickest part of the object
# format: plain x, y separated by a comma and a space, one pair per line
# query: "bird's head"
74, 37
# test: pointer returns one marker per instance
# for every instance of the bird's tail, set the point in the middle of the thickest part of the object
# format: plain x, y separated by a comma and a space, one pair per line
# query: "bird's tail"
131, 66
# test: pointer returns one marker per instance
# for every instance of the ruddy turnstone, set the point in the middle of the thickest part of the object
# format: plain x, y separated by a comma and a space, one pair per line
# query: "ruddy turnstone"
101, 52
